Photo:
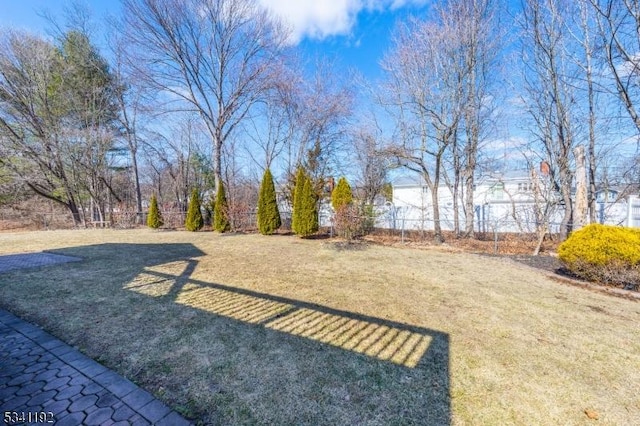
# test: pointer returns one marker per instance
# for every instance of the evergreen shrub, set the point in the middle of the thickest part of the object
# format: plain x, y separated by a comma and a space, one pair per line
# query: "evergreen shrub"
602, 253
194, 220
220, 209
154, 217
305, 211
341, 195
268, 214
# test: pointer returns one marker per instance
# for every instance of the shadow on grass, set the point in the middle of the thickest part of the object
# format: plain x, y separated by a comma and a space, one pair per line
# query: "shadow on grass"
403, 366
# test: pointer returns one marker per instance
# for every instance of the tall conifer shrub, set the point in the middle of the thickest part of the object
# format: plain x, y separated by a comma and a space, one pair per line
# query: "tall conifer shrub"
297, 199
305, 206
341, 195
220, 218
268, 213
194, 220
154, 217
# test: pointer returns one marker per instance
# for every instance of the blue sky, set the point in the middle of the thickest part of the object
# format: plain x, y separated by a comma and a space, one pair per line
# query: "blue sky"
350, 33
353, 34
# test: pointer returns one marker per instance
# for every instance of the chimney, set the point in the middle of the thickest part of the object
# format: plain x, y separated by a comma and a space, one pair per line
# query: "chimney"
545, 169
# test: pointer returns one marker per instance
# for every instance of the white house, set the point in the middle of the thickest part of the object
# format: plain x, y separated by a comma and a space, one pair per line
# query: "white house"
503, 202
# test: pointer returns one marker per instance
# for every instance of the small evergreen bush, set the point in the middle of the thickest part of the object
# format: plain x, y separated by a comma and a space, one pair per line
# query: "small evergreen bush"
220, 219
341, 195
194, 220
607, 254
268, 214
154, 217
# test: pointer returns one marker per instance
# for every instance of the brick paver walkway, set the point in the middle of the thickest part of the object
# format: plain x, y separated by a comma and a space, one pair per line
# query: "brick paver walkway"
11, 262
39, 373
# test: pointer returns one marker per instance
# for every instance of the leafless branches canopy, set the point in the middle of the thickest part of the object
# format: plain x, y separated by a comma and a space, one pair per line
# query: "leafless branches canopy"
439, 76
216, 57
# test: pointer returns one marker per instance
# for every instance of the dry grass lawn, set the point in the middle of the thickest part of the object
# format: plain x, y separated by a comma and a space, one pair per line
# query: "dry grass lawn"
246, 329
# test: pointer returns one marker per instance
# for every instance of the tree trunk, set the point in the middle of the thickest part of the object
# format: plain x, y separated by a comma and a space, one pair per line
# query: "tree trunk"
567, 219
136, 182
437, 229
75, 213
469, 178
581, 201
469, 207
217, 162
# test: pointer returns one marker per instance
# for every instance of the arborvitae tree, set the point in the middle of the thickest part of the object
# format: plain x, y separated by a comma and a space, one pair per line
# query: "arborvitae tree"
154, 217
307, 218
194, 221
220, 219
268, 214
341, 195
297, 199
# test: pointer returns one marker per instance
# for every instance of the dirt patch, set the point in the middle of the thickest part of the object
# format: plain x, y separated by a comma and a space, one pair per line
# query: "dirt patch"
483, 243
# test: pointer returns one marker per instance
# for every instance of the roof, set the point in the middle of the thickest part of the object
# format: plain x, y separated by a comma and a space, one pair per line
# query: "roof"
415, 180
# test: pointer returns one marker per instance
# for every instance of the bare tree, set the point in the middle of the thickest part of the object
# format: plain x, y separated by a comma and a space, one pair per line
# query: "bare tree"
587, 42
179, 159
482, 40
241, 190
216, 57
371, 171
323, 111
424, 91
312, 116
134, 112
545, 202
275, 122
551, 93
618, 29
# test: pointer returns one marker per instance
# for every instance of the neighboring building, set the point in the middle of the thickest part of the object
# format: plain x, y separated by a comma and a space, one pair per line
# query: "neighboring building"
504, 202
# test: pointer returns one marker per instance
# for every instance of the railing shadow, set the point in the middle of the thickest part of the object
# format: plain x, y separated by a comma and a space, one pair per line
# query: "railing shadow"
383, 339
164, 272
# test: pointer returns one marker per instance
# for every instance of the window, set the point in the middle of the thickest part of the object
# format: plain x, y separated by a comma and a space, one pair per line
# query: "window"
525, 187
497, 191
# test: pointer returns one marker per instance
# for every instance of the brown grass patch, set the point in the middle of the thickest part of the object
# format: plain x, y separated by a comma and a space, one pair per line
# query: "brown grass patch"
278, 330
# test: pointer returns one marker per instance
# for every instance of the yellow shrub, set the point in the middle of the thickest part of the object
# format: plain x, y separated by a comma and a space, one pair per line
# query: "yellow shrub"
608, 254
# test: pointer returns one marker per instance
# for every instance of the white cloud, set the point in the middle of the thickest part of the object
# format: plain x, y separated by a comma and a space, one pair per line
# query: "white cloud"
318, 19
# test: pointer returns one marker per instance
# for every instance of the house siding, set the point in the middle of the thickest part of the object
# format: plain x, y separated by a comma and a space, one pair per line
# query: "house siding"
500, 205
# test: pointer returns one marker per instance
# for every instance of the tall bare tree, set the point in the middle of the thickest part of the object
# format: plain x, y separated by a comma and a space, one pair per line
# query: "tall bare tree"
477, 26
274, 125
424, 92
587, 40
371, 168
618, 28
549, 78
134, 113
324, 106
180, 159
216, 57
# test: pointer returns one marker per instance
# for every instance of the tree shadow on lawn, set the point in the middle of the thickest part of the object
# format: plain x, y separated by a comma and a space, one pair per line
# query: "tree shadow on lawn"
334, 366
